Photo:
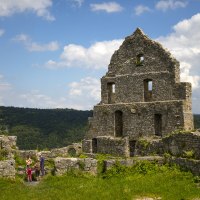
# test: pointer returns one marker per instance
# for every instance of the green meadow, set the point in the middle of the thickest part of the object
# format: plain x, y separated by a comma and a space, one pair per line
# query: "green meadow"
142, 180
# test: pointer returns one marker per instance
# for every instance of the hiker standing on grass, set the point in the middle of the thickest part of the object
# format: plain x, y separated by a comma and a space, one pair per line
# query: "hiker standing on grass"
29, 173
42, 165
28, 161
37, 169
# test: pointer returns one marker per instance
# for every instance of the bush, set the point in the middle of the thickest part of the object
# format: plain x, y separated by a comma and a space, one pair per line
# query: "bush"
3, 154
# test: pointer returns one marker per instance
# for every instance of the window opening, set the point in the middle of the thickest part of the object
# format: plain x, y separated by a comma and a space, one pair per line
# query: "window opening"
158, 124
140, 59
132, 147
113, 88
148, 87
111, 92
94, 145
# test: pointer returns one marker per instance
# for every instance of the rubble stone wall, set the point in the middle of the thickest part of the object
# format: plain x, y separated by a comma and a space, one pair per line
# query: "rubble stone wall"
113, 146
146, 110
7, 168
63, 165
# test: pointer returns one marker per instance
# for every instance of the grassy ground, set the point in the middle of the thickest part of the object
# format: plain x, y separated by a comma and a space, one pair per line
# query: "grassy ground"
119, 183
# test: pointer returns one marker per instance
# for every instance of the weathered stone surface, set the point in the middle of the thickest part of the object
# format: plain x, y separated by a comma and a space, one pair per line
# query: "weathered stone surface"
187, 164
108, 164
141, 94
112, 145
8, 142
87, 146
7, 168
63, 165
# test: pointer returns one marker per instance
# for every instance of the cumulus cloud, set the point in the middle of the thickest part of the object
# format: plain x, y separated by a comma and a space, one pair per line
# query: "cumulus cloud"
95, 57
140, 9
40, 7
81, 95
108, 7
85, 93
184, 44
2, 32
170, 4
33, 46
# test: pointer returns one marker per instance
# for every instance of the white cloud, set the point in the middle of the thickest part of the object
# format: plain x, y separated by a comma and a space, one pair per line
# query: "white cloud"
35, 99
141, 9
33, 46
184, 44
40, 7
84, 94
2, 32
108, 7
95, 57
170, 4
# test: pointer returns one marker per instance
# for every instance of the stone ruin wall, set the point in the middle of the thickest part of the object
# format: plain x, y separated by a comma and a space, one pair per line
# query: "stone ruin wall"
170, 98
138, 119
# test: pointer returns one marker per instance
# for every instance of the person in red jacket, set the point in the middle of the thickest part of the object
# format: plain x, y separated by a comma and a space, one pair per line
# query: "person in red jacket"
29, 174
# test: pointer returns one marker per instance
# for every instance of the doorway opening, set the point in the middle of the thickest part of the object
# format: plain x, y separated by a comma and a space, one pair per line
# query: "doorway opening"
132, 147
158, 124
118, 123
94, 145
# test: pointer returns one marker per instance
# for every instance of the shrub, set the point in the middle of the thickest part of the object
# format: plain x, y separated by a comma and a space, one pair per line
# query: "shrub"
3, 154
188, 154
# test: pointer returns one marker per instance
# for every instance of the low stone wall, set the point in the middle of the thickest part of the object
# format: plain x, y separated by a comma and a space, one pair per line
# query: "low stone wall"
63, 165
187, 164
112, 145
71, 150
131, 161
8, 142
181, 143
7, 168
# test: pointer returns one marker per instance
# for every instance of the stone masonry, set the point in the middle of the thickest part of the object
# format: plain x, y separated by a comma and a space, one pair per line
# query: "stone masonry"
141, 96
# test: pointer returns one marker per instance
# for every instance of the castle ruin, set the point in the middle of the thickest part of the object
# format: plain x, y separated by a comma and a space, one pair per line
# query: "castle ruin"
141, 96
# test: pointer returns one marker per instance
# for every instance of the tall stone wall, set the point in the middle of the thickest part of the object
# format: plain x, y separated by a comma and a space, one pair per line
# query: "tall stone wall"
138, 119
141, 94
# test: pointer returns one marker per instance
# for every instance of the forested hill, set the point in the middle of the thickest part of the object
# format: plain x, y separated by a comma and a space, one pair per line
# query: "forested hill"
47, 128
44, 128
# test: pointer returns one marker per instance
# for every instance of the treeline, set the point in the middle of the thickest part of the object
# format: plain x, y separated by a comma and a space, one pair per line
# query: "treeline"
197, 121
44, 128
47, 128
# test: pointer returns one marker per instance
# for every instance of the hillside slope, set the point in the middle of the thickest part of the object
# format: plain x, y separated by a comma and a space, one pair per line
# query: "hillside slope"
44, 128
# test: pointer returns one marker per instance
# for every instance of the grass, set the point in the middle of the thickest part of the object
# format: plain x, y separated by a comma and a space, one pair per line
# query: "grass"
119, 183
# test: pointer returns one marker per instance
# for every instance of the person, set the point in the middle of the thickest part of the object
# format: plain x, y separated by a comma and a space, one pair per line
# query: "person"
29, 173
28, 161
37, 169
42, 165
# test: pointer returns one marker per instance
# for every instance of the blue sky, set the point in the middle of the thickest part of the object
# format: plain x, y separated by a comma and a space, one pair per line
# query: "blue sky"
54, 52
